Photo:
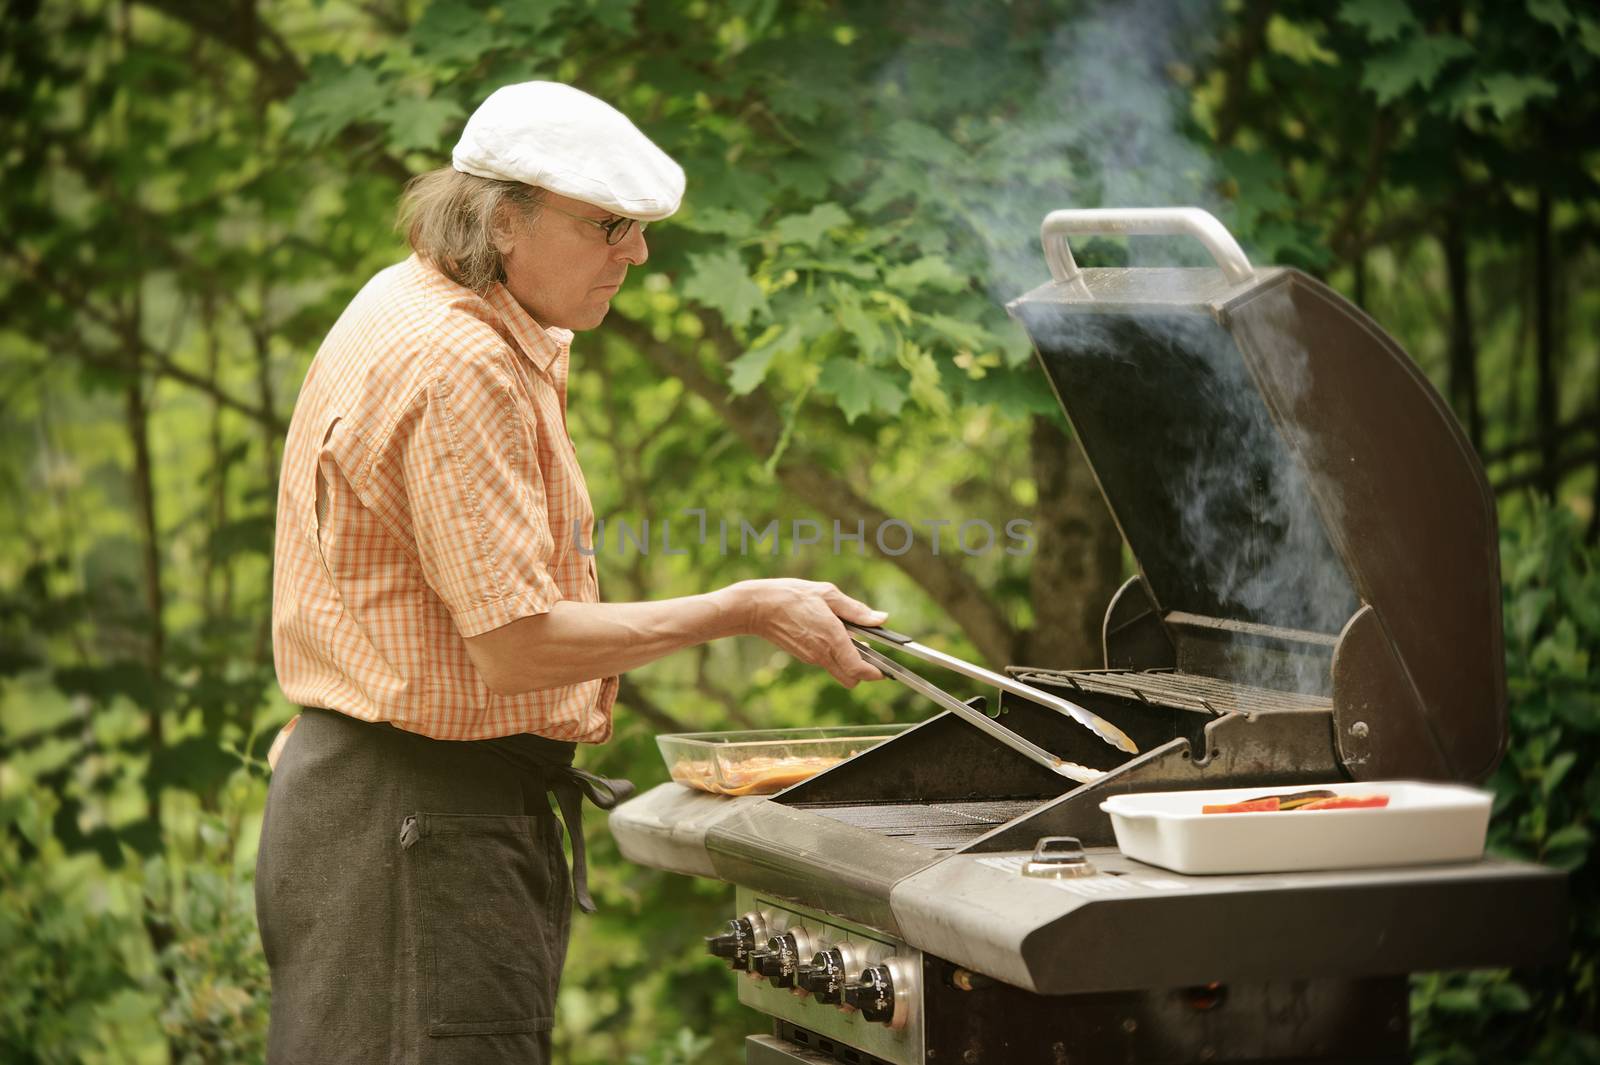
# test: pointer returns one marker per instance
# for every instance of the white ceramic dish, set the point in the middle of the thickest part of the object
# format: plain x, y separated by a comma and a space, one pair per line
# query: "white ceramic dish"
1423, 824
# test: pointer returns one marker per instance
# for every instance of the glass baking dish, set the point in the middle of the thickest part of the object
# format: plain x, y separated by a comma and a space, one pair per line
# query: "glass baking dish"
764, 761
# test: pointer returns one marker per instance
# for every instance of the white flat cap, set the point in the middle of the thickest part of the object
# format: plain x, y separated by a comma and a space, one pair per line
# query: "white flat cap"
559, 138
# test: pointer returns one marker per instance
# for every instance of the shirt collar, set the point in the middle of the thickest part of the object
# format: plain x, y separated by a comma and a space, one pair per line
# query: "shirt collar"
541, 345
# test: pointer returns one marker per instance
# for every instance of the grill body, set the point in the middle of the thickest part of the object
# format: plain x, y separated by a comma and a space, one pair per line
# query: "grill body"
1317, 599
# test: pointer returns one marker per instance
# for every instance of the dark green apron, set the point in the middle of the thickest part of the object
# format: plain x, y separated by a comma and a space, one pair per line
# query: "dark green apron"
413, 895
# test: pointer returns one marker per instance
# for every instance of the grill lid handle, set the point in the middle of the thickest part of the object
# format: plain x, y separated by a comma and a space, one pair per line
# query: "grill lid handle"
1140, 222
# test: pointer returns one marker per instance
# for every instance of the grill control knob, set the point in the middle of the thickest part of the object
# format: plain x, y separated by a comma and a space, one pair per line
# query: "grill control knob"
768, 961
736, 941
825, 977
782, 960
872, 994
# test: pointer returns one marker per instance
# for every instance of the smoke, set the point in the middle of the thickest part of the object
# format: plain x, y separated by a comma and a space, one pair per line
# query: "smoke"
1109, 128
1248, 512
1211, 490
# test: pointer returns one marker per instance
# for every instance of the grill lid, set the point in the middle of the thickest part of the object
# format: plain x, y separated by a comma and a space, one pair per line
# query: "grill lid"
1305, 511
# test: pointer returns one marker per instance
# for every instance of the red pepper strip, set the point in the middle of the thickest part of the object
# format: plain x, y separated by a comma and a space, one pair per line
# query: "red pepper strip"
1269, 805
1349, 802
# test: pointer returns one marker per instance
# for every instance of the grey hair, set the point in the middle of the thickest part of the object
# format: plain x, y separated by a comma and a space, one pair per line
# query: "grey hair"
450, 219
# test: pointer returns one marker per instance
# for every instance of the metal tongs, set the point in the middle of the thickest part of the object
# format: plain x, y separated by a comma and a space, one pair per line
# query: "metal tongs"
1093, 722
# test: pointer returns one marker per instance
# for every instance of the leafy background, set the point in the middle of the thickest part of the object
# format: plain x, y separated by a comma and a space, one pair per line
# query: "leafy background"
192, 190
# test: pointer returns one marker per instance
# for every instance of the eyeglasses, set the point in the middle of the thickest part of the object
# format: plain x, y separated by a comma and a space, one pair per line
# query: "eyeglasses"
616, 230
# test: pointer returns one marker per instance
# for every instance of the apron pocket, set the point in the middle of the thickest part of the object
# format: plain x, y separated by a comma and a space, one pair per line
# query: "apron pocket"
487, 946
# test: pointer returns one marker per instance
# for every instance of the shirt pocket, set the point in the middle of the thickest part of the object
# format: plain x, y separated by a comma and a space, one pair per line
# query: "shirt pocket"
488, 912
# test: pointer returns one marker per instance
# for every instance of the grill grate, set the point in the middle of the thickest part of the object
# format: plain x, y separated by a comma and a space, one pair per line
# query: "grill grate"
1183, 691
941, 826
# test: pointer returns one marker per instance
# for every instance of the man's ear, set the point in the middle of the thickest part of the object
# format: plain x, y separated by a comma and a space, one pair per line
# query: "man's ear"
503, 230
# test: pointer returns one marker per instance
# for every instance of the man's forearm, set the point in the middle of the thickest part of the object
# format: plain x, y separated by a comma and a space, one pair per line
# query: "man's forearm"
575, 642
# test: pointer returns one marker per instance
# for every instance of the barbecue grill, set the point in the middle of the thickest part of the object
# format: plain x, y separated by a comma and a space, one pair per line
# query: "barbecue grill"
1317, 600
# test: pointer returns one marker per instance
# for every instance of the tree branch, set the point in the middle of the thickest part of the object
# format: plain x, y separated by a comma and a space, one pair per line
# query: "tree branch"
1587, 422
240, 28
632, 696
757, 423
1252, 38
1343, 230
1551, 474
152, 360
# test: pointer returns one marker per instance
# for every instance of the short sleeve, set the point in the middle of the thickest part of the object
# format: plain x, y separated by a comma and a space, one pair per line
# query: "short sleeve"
475, 500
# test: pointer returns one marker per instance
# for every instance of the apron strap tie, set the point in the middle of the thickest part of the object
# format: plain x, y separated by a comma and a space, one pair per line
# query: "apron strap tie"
571, 786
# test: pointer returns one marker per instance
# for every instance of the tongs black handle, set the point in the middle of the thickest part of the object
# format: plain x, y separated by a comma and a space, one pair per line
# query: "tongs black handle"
878, 632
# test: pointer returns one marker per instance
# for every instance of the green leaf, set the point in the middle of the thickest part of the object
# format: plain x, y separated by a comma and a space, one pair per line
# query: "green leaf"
332, 97
960, 332
1589, 35
1415, 63
1507, 997
1507, 93
926, 387
860, 388
922, 143
720, 281
456, 34
1559, 766
1298, 42
532, 17
1017, 394
861, 326
930, 272
1459, 1000
1551, 12
1381, 20
1566, 848
716, 220
811, 227
748, 370
416, 122
613, 15
1015, 345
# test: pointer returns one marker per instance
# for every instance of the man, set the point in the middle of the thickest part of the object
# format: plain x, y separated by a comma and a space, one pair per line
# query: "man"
433, 614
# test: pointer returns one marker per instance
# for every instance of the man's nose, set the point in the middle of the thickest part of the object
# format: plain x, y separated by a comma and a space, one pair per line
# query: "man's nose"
632, 249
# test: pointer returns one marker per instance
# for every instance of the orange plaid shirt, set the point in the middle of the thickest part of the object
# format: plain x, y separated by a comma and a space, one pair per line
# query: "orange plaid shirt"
430, 493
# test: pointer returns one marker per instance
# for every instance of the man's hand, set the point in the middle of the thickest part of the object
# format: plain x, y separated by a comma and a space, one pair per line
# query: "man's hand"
803, 618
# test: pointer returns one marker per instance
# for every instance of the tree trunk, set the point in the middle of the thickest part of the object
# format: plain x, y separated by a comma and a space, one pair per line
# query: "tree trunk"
138, 423
1544, 348
216, 601
1463, 373
1077, 561
270, 440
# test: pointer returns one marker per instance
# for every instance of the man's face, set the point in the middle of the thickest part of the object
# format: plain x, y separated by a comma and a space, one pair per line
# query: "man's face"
561, 270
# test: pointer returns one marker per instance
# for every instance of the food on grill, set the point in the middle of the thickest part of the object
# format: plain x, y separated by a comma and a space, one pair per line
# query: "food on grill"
1321, 799
752, 776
